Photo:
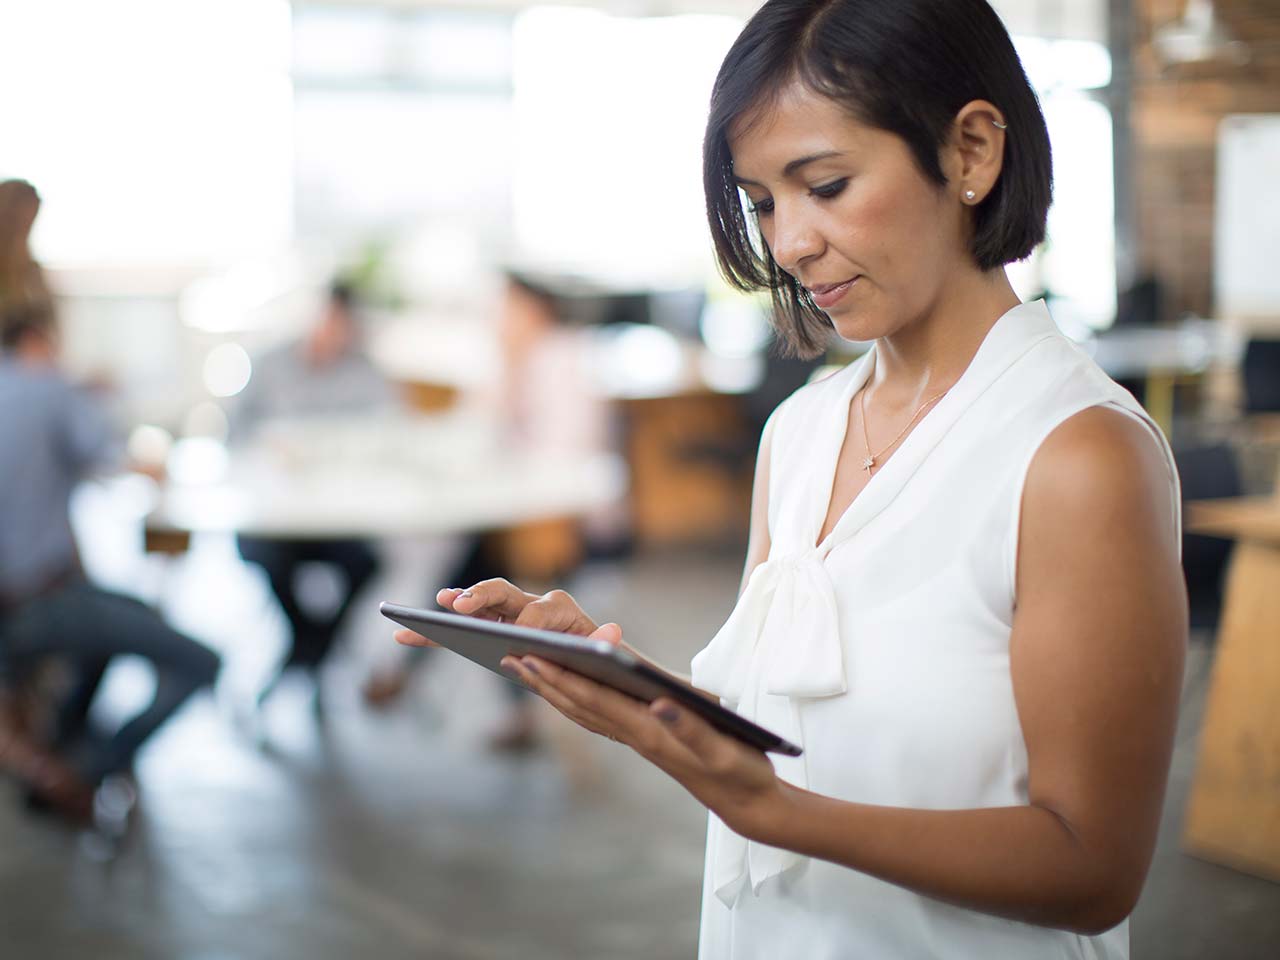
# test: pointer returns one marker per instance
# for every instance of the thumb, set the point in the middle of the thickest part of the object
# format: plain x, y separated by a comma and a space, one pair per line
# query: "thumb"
609, 632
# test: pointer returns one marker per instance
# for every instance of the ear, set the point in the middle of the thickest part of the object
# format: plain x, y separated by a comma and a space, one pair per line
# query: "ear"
977, 151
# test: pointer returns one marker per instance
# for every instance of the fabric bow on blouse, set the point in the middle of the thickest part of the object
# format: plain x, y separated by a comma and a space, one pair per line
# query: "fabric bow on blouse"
780, 644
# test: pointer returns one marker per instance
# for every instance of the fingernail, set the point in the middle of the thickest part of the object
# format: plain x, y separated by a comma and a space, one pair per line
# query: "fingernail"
465, 593
667, 715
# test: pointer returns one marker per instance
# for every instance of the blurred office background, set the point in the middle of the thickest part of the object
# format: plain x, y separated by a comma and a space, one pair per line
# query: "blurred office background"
512, 192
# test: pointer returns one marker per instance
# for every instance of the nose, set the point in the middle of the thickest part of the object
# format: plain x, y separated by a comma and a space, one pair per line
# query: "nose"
794, 238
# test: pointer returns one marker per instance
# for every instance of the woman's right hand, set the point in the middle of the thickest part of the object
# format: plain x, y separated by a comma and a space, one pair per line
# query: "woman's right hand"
504, 602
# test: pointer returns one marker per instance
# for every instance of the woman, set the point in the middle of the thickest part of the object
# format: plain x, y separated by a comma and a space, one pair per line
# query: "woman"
22, 280
962, 594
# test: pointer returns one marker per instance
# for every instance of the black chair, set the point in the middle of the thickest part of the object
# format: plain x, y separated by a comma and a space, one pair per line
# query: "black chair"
1141, 304
1207, 472
1261, 374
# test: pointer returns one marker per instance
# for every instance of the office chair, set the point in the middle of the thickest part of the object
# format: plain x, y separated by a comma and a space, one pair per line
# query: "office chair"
1207, 472
1260, 371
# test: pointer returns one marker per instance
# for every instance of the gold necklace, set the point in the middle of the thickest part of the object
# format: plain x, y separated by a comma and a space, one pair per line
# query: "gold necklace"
869, 461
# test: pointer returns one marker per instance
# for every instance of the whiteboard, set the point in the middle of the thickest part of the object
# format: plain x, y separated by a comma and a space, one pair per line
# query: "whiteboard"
1247, 224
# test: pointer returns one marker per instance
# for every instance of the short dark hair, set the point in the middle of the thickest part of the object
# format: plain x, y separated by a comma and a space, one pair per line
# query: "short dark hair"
906, 67
342, 293
23, 319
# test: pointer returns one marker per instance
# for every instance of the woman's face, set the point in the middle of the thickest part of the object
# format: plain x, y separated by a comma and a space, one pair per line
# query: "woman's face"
845, 210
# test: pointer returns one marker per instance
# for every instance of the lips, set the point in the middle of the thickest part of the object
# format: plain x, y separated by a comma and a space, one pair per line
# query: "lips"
828, 294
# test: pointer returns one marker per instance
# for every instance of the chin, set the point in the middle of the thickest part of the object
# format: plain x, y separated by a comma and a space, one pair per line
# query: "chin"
859, 324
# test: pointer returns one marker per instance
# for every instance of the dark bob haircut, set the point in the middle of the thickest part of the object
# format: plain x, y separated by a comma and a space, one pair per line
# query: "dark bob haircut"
907, 67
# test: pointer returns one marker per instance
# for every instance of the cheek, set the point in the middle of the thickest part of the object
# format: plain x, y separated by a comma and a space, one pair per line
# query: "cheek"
896, 225
879, 215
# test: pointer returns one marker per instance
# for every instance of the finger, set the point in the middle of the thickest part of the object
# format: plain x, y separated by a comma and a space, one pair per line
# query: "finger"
588, 695
562, 703
620, 716
609, 632
491, 599
608, 711
410, 639
446, 596
556, 611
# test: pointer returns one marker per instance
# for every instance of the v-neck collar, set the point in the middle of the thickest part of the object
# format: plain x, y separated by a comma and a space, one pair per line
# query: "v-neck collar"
1011, 336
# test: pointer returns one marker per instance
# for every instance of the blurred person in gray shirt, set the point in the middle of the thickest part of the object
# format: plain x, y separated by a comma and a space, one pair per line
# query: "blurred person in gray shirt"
326, 373
52, 436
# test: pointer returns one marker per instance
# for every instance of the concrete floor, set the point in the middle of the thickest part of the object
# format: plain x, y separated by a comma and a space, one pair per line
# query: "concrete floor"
398, 835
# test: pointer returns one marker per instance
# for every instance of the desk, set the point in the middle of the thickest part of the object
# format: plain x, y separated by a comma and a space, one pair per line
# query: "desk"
414, 478
1233, 811
1163, 355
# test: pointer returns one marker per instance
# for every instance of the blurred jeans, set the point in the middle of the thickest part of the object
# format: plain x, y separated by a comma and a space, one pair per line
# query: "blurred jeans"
313, 632
86, 626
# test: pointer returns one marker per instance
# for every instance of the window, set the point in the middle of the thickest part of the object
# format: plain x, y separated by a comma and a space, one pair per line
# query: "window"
610, 114
158, 132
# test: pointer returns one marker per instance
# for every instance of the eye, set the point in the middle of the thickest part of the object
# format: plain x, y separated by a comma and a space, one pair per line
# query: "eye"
762, 208
827, 191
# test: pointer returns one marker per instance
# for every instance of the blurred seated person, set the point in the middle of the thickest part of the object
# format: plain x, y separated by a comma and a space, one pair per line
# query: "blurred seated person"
52, 437
548, 403
326, 373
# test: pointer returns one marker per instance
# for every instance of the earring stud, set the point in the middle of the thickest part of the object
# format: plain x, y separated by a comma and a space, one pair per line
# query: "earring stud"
999, 126
970, 196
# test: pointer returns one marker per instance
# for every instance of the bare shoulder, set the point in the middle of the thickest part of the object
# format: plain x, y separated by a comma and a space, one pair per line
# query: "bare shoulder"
1105, 462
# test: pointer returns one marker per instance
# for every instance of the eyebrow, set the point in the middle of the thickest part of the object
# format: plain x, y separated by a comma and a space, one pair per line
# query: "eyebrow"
795, 165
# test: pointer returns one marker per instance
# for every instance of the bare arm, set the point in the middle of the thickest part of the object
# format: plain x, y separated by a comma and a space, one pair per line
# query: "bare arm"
1096, 655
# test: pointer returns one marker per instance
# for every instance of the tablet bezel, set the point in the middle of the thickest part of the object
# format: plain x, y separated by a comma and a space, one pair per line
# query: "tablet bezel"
486, 642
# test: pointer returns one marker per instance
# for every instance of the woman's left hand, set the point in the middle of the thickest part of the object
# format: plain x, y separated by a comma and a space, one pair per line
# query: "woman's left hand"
734, 781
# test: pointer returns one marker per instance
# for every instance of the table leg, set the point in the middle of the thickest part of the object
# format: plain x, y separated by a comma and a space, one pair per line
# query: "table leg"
1233, 812
1158, 399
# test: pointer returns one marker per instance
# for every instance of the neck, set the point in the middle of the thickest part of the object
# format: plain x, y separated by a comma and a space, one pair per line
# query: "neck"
929, 354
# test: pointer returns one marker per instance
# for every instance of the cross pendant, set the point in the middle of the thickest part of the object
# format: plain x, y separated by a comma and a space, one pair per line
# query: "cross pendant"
868, 463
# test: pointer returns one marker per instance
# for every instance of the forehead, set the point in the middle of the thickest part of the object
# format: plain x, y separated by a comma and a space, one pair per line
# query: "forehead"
795, 122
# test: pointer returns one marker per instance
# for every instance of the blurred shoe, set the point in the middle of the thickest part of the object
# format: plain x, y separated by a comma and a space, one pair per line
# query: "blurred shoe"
520, 735
114, 802
384, 688
52, 786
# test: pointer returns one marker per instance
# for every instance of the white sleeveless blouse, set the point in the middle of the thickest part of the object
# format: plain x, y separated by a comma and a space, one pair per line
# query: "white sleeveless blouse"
884, 652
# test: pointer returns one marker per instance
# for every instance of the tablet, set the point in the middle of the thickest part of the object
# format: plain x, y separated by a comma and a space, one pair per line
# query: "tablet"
486, 643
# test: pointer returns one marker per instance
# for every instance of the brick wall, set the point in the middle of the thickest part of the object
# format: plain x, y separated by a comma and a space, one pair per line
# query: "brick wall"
1175, 120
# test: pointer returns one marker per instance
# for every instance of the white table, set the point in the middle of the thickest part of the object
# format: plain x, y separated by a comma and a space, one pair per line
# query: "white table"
1162, 355
1190, 347
410, 477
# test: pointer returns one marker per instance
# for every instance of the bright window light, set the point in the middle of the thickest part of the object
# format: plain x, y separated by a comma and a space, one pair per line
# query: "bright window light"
1079, 263
157, 131
609, 121
1064, 64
